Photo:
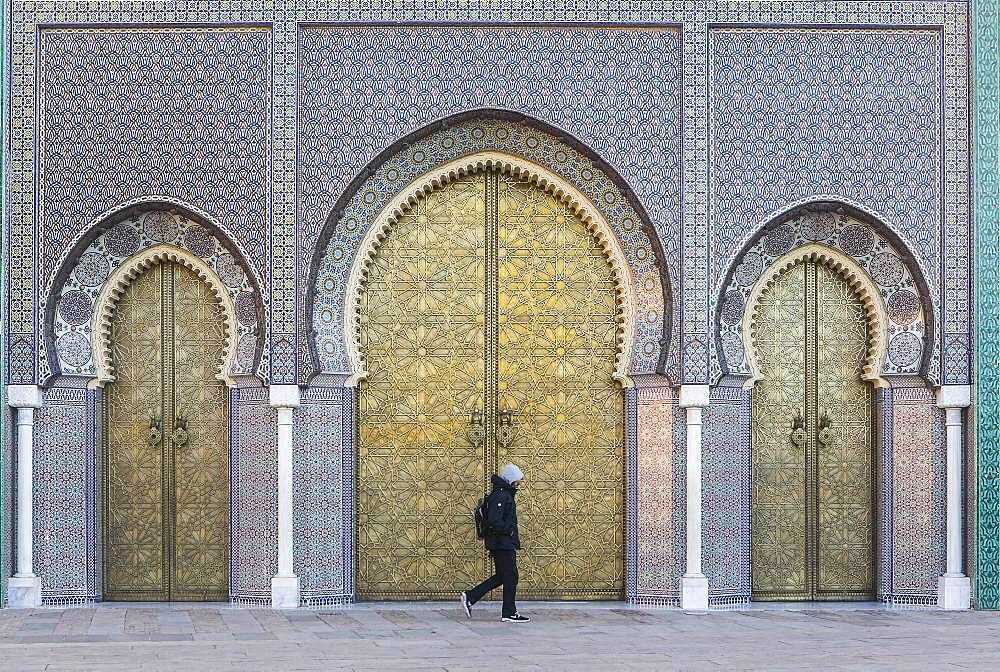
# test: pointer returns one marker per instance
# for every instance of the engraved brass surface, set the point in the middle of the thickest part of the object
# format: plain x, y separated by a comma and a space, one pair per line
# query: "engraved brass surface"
166, 522
488, 327
421, 317
812, 515
556, 354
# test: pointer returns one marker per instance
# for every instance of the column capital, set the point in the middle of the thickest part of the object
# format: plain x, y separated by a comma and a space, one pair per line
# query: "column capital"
284, 396
954, 396
24, 396
694, 396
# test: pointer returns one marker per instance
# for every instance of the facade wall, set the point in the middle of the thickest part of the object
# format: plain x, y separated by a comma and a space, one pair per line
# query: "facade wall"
696, 128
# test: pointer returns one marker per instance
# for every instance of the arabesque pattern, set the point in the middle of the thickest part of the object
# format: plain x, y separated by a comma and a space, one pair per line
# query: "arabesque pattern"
422, 334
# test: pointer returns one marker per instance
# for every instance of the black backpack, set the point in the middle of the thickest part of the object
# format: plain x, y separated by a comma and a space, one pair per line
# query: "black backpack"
480, 513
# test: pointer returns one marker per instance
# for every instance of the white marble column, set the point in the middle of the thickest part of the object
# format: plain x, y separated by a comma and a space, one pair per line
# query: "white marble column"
284, 584
954, 587
694, 584
24, 589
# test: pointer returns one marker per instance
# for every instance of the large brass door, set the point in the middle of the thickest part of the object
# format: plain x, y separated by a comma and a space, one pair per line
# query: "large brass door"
166, 466
812, 514
488, 327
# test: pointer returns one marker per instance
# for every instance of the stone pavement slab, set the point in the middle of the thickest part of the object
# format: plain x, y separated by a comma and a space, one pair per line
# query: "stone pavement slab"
422, 636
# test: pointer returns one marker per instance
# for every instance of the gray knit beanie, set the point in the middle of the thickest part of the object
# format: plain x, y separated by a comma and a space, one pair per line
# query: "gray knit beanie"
511, 474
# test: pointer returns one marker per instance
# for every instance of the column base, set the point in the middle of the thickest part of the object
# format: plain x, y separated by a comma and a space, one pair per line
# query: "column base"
694, 592
954, 592
285, 592
24, 592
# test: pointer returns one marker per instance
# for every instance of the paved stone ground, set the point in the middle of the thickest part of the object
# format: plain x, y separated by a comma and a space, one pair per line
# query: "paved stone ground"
438, 637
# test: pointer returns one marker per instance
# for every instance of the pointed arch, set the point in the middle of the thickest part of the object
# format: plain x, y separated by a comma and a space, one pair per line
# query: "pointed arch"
856, 277
119, 281
538, 175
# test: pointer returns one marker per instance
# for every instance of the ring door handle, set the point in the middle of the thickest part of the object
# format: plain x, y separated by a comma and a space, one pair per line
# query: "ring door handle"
476, 429
180, 435
155, 431
799, 436
505, 428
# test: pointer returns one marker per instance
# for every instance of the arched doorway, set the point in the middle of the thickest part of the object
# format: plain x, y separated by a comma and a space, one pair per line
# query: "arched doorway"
812, 518
489, 326
166, 459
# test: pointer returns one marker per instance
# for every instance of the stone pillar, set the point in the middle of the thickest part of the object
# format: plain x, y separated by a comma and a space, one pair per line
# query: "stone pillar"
24, 589
694, 584
954, 588
284, 584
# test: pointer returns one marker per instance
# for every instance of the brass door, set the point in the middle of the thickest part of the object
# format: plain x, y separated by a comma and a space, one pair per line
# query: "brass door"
166, 466
812, 514
488, 327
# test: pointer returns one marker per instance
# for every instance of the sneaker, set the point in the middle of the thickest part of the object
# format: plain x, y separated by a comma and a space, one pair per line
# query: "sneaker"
464, 599
516, 618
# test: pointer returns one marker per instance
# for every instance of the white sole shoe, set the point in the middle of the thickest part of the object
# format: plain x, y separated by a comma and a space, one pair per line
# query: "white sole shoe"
464, 601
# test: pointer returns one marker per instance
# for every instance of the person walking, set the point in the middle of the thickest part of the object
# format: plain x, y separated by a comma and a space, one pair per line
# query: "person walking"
503, 541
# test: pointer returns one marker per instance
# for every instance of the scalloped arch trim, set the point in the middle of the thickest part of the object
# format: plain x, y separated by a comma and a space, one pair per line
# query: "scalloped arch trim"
855, 276
122, 277
538, 175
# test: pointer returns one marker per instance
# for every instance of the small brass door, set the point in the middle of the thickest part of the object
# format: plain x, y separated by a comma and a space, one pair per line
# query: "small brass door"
812, 511
166, 459
488, 329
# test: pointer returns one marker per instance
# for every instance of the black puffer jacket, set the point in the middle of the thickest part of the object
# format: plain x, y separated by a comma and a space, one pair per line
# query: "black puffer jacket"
501, 521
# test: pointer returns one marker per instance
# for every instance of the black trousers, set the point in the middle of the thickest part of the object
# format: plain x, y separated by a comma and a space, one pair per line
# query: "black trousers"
505, 564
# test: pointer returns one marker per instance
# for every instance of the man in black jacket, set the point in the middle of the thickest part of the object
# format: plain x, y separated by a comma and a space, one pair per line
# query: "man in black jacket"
502, 541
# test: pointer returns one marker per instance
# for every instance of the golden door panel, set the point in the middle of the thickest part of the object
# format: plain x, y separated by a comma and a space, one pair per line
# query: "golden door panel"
166, 452
556, 347
845, 516
199, 441
135, 564
812, 518
421, 318
778, 515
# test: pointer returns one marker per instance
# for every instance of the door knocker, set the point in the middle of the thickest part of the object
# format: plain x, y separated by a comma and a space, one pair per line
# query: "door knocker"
155, 433
825, 436
476, 430
799, 435
180, 435
505, 428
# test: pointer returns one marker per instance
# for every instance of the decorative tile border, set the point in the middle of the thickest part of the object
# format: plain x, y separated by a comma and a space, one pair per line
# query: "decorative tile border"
986, 53
357, 218
893, 272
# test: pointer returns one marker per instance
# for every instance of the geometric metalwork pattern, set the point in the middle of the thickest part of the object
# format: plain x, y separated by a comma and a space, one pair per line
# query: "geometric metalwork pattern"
812, 519
488, 323
556, 346
987, 126
423, 337
166, 463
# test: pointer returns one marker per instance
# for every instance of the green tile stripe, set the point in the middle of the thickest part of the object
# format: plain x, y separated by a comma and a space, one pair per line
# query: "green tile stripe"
986, 24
